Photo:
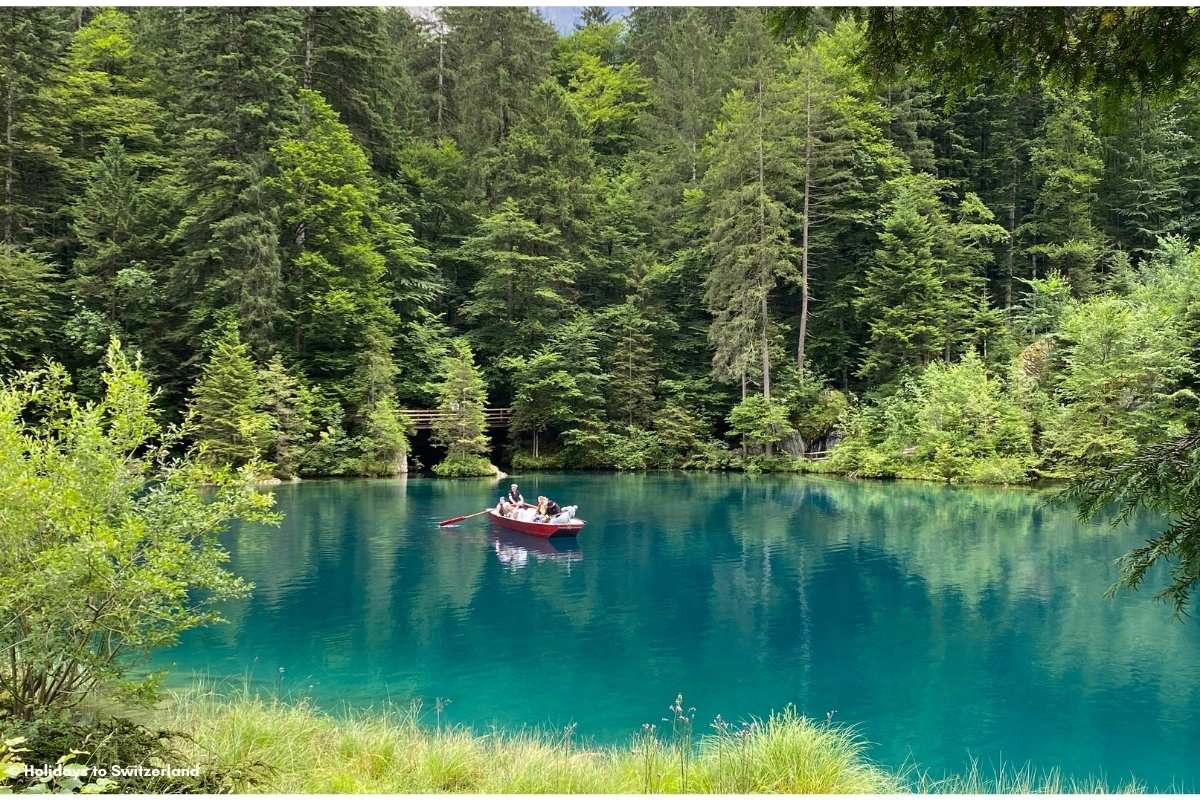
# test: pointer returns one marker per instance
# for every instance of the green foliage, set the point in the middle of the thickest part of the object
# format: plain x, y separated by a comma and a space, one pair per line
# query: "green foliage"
1164, 478
761, 422
1119, 386
27, 305
110, 545
309, 751
1129, 51
226, 410
521, 291
635, 224
102, 742
461, 428
288, 404
952, 422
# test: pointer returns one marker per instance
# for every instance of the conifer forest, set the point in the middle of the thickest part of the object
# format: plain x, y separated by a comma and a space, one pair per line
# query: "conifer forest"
704, 238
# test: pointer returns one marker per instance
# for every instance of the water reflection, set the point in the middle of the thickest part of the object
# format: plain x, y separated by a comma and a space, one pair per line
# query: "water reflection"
941, 620
515, 550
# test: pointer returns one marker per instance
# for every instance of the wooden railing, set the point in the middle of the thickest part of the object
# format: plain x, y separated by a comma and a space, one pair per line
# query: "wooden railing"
423, 418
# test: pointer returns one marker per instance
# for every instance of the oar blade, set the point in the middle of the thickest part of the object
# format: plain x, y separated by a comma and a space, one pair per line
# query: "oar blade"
451, 521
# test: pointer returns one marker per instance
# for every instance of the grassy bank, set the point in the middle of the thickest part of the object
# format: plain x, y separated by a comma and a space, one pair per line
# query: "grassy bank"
295, 748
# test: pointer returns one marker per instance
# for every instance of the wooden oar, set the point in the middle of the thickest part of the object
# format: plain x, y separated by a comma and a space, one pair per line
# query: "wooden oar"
460, 519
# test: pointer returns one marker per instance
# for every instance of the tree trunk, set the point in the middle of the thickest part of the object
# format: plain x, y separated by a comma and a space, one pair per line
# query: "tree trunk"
310, 29
441, 74
765, 266
800, 341
10, 101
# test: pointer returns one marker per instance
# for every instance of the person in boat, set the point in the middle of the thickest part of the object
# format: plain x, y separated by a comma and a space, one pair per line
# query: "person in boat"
546, 509
564, 516
514, 496
505, 508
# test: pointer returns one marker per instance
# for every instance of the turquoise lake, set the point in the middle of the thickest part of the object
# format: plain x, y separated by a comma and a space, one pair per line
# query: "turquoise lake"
944, 623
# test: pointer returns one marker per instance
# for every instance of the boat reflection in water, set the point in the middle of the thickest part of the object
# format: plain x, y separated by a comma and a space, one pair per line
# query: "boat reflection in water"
516, 550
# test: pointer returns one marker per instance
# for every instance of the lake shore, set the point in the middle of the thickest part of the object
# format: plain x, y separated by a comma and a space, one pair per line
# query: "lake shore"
295, 748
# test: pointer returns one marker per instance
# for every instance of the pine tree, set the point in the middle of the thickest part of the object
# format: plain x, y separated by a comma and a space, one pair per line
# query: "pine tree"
238, 97
544, 166
750, 245
110, 278
354, 57
31, 41
902, 296
497, 56
461, 426
226, 409
384, 440
685, 98
524, 284
28, 313
286, 401
1066, 162
543, 395
1142, 187
631, 363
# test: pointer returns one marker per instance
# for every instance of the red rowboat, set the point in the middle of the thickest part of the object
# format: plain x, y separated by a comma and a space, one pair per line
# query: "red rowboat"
543, 529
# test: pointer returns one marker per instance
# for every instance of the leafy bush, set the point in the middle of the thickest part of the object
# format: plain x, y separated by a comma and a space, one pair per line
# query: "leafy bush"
1125, 361
465, 466
634, 449
760, 421
952, 422
101, 743
108, 547
524, 460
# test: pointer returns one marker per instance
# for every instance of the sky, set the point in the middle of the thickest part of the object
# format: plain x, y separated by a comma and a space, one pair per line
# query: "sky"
563, 18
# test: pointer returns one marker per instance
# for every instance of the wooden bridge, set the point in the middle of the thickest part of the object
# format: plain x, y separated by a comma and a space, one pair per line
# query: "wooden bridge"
423, 418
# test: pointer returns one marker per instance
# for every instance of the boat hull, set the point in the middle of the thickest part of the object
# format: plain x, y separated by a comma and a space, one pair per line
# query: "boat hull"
542, 529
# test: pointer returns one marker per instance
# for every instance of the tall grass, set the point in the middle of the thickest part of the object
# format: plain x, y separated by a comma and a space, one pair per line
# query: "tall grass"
295, 748
390, 751
1013, 779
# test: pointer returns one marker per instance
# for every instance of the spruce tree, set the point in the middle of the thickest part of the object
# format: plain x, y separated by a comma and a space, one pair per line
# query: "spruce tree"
31, 42
355, 58
461, 425
286, 401
226, 408
750, 242
1061, 230
524, 284
902, 295
110, 278
498, 55
632, 364
237, 98
544, 166
28, 306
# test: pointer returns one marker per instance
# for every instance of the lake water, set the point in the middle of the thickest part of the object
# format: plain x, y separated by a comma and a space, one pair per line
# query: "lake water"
945, 623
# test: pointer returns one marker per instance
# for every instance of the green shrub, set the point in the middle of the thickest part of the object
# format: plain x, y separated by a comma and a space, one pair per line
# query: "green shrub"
464, 467
109, 545
761, 422
953, 422
101, 743
523, 460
